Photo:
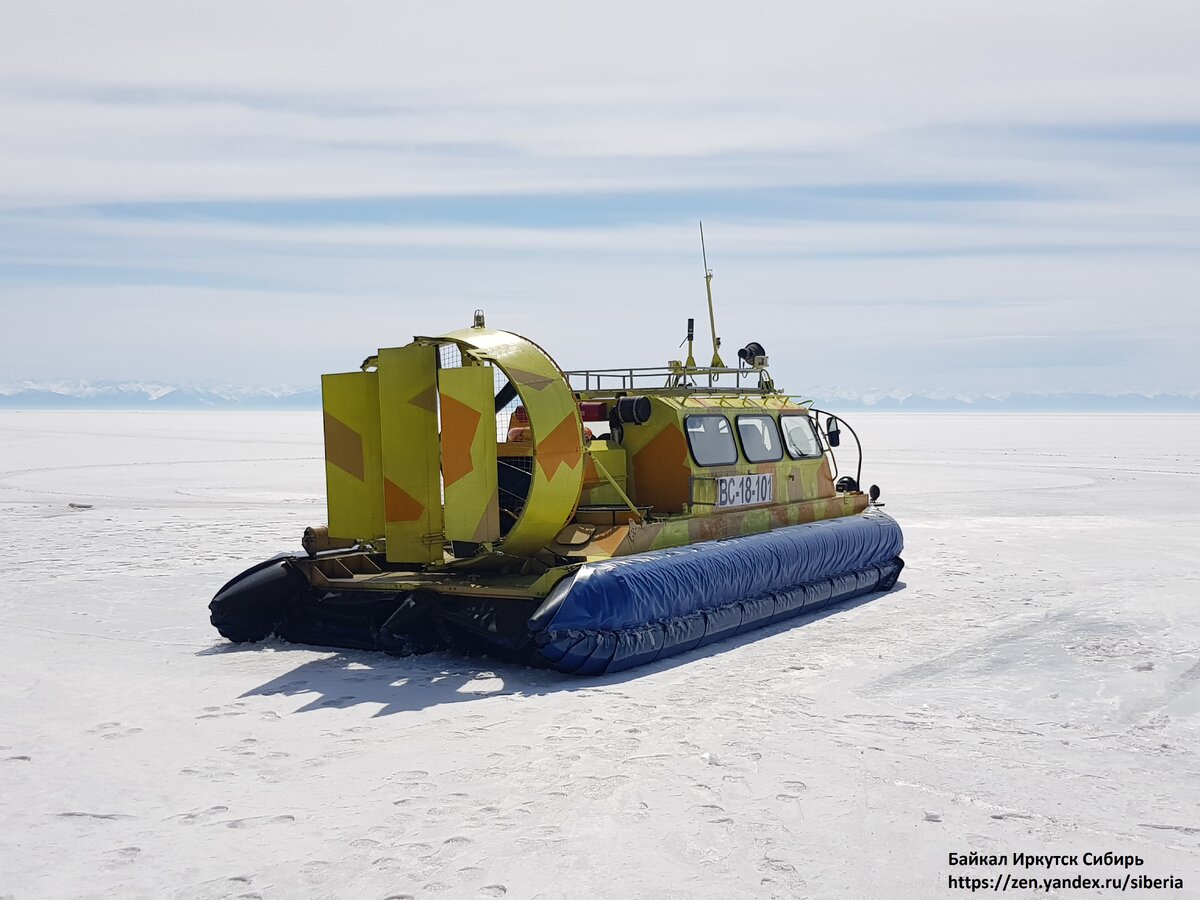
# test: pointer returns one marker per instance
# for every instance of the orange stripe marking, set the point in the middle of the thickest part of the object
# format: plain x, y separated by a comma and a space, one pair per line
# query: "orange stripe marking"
399, 505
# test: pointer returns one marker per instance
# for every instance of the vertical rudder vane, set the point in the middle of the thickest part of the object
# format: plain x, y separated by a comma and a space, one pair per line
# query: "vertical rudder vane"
408, 424
469, 471
353, 455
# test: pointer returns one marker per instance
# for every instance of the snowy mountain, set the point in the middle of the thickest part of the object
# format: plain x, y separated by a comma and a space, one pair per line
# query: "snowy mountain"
1049, 401
152, 395
156, 395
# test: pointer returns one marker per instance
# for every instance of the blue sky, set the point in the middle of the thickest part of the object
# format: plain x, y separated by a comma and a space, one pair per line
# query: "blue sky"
979, 197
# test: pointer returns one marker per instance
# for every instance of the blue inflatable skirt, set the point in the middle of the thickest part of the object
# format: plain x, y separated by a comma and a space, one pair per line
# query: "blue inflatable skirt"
632, 610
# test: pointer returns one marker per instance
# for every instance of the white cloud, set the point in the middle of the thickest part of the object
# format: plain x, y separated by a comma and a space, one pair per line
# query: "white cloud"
290, 86
126, 101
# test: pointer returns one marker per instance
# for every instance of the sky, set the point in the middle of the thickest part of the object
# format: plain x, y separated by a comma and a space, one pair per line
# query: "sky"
937, 196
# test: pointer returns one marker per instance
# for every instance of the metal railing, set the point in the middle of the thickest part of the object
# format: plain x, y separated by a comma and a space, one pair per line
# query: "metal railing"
669, 378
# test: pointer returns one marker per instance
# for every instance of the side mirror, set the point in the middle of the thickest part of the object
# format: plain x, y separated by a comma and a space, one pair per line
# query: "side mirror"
833, 433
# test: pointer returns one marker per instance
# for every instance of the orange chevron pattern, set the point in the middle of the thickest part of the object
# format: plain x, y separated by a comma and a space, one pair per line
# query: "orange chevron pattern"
459, 424
561, 447
398, 504
344, 447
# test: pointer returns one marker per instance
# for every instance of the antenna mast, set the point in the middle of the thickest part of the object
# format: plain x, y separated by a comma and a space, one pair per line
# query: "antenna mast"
712, 319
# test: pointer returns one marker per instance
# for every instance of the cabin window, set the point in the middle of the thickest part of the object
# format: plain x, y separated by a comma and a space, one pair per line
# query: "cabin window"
711, 440
760, 438
799, 437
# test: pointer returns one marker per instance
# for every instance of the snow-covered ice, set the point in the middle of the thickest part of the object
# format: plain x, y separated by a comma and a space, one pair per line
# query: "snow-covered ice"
1032, 686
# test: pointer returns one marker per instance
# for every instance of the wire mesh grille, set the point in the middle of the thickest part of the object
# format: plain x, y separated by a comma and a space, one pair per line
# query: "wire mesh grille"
450, 357
515, 475
504, 417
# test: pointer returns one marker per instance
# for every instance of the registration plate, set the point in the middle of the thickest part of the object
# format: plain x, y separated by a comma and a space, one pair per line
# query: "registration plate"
745, 490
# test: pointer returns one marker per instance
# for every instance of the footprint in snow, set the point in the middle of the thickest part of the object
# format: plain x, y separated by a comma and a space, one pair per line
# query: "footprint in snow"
202, 816
124, 854
221, 712
315, 870
110, 730
124, 732
413, 775
254, 821
1182, 829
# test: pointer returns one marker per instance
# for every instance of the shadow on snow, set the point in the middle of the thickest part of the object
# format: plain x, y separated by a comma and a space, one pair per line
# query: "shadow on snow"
406, 684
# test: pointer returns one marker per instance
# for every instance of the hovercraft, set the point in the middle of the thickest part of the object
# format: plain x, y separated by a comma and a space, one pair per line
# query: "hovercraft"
481, 498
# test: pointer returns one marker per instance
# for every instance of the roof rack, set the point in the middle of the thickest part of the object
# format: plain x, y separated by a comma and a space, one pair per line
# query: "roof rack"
671, 379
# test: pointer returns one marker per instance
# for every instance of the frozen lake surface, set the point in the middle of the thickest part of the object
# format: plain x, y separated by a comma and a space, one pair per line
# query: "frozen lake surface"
1032, 686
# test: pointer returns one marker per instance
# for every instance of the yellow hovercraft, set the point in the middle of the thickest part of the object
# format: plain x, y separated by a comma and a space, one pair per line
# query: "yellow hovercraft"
479, 497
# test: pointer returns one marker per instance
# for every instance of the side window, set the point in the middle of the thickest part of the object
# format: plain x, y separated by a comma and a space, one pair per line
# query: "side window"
798, 437
760, 438
711, 440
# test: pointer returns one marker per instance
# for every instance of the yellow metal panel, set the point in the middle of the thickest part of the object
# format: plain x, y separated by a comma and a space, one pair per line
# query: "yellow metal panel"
597, 490
353, 467
469, 454
557, 477
408, 428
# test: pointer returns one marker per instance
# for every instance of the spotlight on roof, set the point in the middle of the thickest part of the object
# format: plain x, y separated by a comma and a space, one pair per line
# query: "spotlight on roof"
753, 355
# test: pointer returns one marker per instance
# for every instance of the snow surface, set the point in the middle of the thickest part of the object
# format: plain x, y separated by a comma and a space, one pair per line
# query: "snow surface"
1032, 686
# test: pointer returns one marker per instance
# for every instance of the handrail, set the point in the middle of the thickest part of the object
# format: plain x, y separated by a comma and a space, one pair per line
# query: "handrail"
679, 378
858, 444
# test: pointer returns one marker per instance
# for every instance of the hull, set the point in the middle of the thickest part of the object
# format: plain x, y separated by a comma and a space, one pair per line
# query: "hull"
604, 617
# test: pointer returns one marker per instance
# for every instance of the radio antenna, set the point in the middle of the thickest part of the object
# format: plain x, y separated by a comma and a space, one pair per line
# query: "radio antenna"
712, 319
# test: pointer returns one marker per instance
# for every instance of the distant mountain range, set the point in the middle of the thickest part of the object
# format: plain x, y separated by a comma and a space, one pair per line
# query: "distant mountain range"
152, 395
130, 395
1048, 401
